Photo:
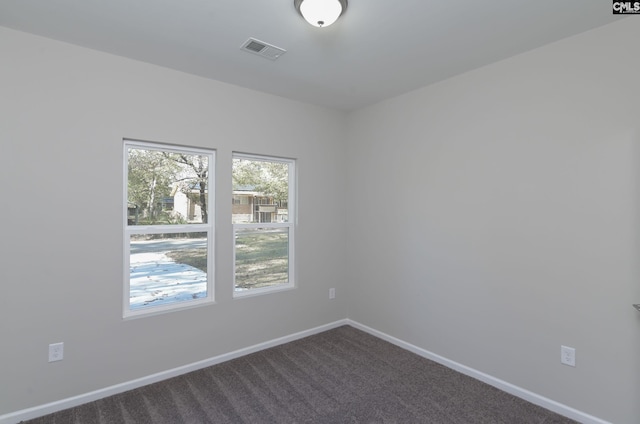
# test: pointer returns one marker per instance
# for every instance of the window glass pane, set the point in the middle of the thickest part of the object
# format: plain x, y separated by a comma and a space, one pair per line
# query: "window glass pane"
262, 257
260, 191
165, 187
167, 268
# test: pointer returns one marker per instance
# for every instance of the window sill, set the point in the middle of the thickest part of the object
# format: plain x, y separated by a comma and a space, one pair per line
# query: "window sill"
159, 310
264, 291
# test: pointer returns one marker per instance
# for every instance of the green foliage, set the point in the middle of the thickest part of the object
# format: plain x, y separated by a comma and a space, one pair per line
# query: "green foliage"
163, 218
197, 168
150, 178
155, 175
269, 178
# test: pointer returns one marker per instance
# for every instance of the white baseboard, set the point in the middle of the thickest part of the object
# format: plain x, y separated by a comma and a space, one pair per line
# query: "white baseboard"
493, 381
38, 411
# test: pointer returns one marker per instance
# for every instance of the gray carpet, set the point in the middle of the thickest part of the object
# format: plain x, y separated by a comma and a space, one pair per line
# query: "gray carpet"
340, 376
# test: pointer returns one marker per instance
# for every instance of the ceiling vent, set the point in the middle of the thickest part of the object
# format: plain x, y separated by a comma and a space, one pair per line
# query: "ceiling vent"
263, 49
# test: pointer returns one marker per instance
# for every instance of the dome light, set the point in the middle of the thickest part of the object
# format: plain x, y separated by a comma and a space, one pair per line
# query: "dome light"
320, 13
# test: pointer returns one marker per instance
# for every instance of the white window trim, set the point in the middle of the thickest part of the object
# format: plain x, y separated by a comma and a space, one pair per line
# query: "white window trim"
290, 224
208, 228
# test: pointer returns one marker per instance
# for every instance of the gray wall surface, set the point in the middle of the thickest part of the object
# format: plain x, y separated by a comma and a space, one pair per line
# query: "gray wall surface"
64, 112
506, 220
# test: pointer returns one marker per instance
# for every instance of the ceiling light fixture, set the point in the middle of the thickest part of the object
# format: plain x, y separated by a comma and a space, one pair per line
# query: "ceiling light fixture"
320, 13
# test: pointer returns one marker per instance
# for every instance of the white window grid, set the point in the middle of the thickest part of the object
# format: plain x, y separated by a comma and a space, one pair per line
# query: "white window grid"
129, 230
290, 225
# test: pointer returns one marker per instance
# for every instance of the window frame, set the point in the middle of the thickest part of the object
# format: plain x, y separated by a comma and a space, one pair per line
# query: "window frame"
290, 225
129, 230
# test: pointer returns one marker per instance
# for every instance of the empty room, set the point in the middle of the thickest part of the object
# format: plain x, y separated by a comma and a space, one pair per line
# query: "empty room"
321, 211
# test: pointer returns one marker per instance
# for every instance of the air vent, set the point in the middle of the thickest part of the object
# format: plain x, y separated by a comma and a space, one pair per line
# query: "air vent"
263, 49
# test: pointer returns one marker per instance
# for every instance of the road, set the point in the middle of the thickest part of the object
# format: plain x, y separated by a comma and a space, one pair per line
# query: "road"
156, 279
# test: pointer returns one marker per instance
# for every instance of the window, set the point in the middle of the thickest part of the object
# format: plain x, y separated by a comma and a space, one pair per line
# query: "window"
263, 226
241, 200
168, 227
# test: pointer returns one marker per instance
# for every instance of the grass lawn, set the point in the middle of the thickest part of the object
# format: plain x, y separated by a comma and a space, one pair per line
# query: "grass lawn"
196, 258
262, 258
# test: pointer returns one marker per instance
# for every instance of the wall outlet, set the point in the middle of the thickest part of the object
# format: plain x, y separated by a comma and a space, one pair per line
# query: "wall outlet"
56, 352
568, 356
332, 293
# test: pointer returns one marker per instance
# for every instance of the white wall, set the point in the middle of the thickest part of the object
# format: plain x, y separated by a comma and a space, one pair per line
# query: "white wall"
64, 111
495, 216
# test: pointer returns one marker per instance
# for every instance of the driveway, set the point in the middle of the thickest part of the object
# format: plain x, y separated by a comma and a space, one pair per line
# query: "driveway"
155, 279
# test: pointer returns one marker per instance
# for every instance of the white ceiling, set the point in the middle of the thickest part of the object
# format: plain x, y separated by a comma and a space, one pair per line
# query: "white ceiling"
376, 50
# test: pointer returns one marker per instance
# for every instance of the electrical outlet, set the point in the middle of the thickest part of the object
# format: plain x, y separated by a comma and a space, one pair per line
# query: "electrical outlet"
332, 293
568, 356
56, 352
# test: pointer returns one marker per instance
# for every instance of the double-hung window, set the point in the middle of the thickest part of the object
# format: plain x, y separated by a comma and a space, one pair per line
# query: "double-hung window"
263, 216
168, 227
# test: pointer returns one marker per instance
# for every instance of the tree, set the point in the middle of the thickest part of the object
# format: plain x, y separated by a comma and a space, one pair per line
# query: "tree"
155, 174
150, 178
198, 165
269, 178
